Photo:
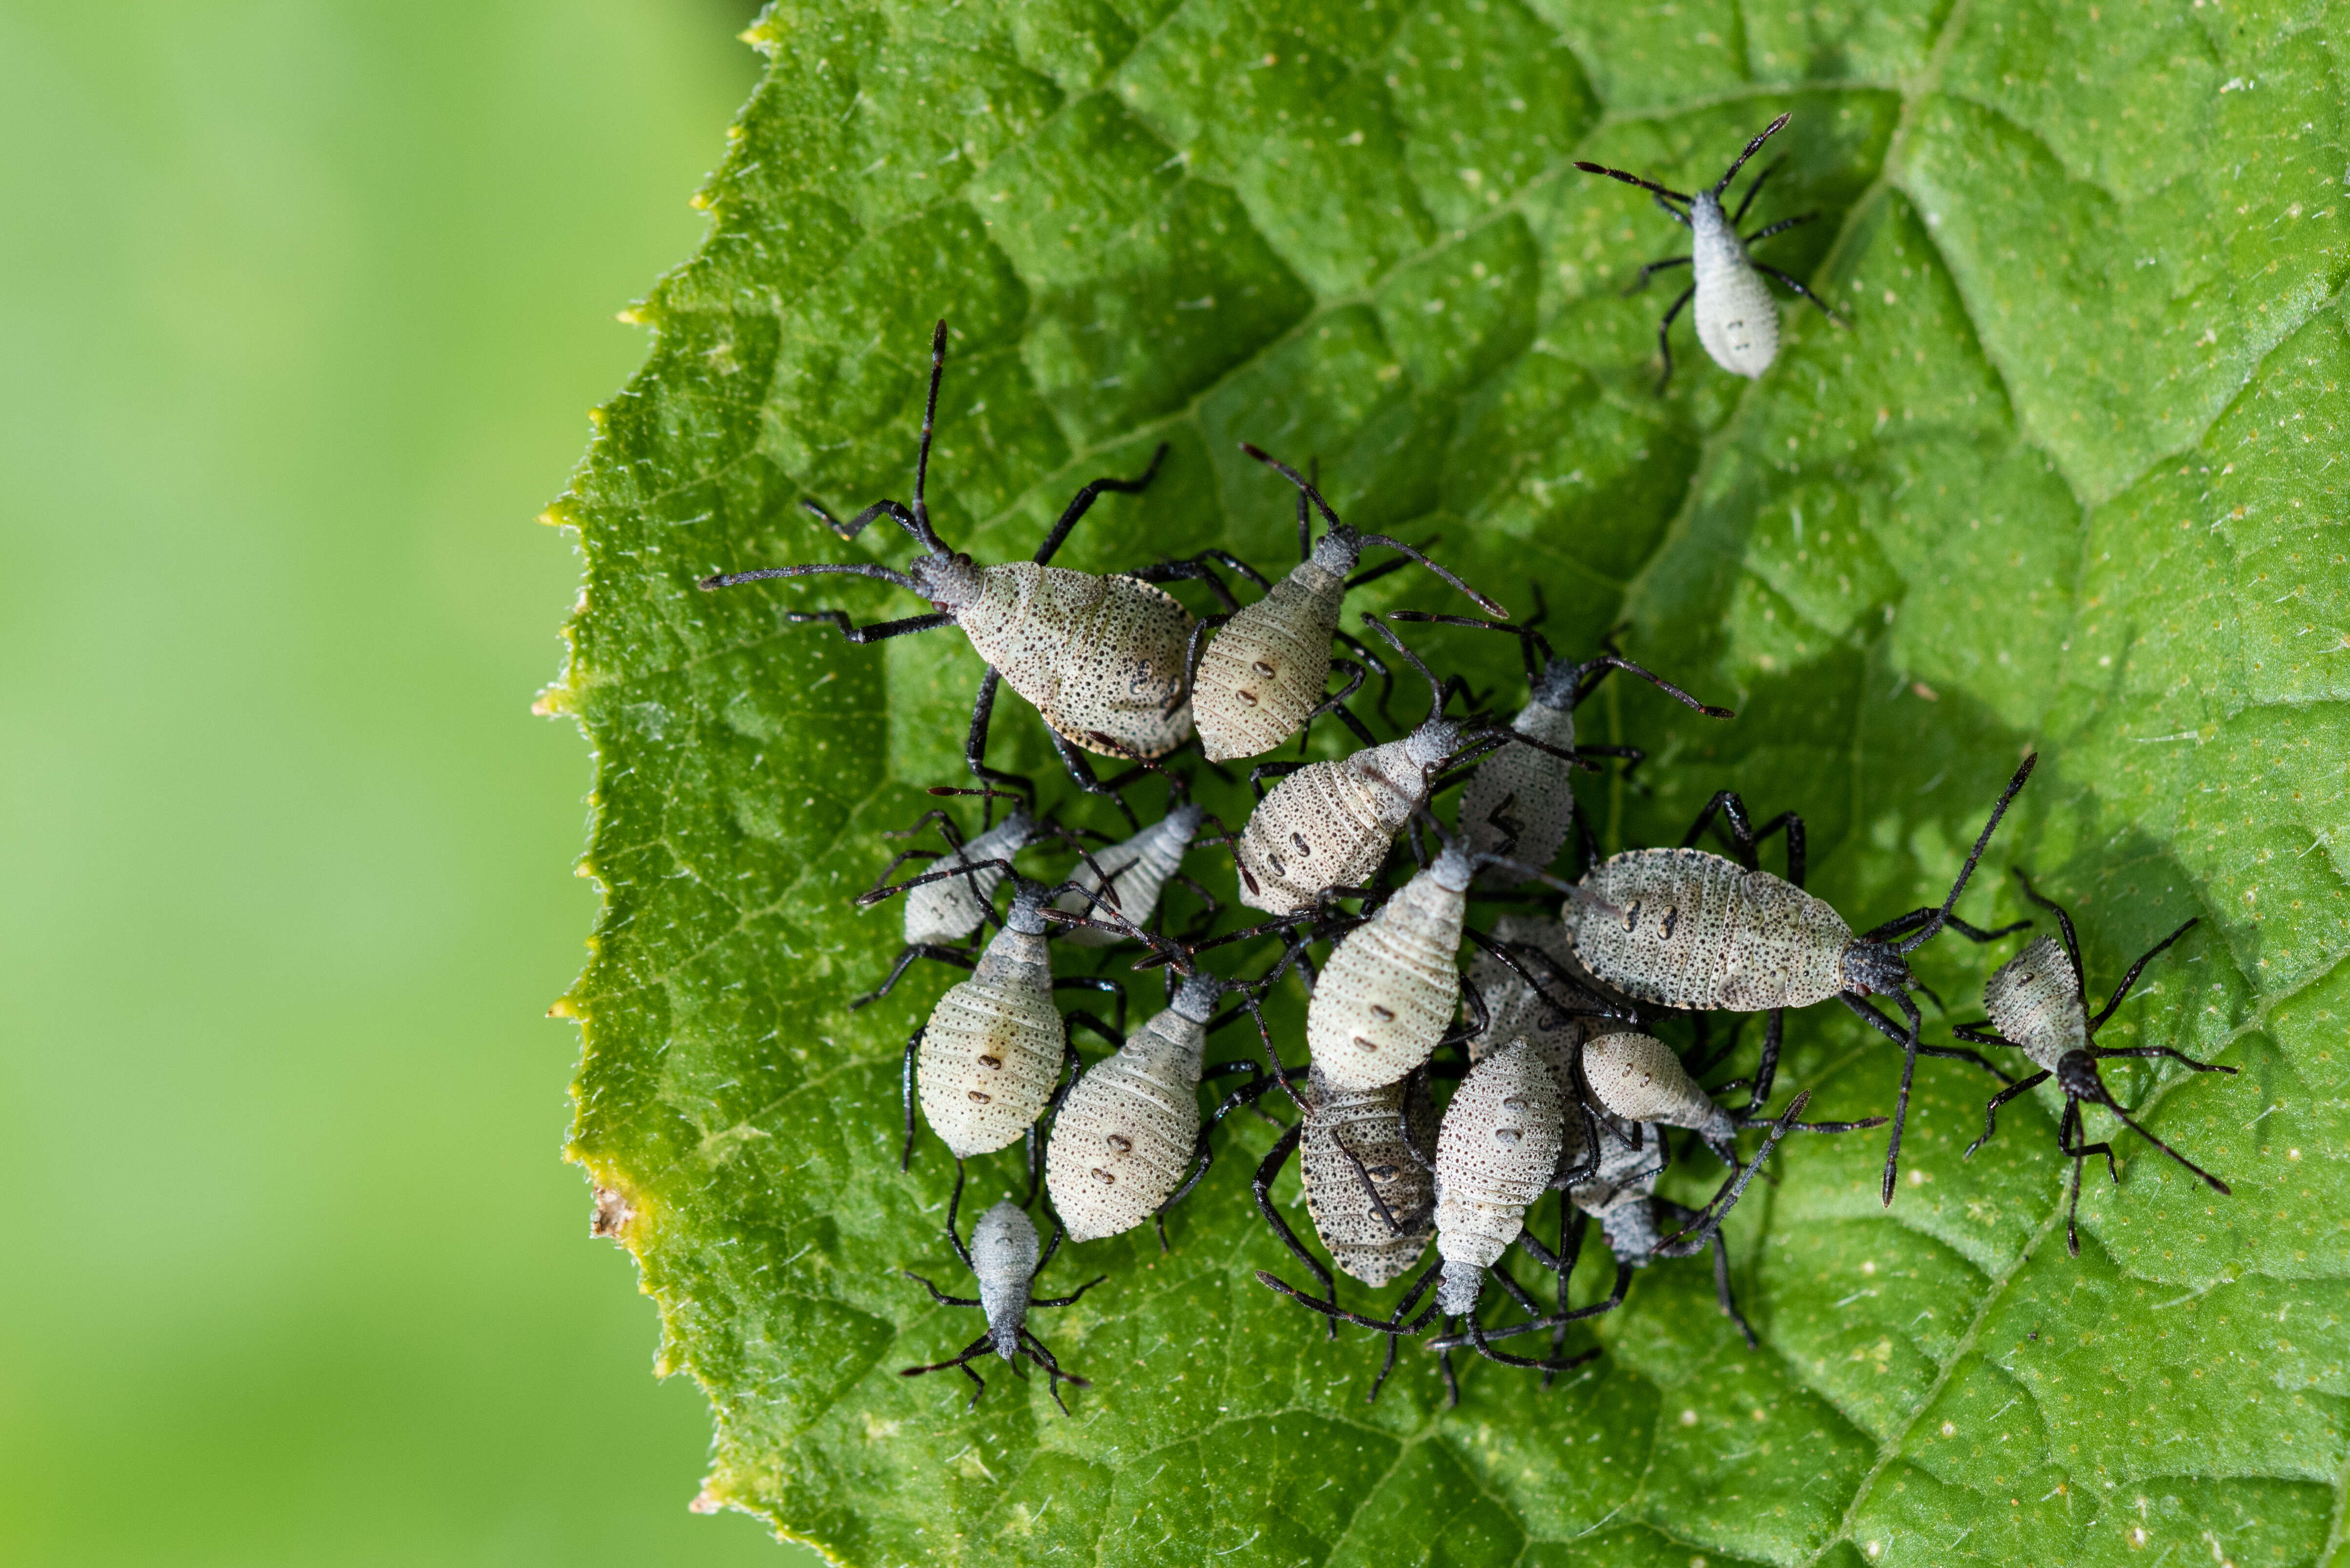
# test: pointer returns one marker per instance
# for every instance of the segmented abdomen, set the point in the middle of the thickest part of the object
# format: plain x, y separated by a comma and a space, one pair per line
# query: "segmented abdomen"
1125, 1136
1092, 653
1264, 669
1359, 1239
1390, 990
992, 1050
1696, 931
1328, 824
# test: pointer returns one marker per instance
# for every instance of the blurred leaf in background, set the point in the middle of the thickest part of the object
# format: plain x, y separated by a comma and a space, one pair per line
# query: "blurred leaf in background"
300, 307
2070, 480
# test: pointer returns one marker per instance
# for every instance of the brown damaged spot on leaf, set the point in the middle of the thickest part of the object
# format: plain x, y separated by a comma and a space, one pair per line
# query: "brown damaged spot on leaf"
614, 1213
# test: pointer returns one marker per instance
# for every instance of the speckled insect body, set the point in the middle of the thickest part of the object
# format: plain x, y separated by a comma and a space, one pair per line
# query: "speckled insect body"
1495, 1151
1737, 318
1101, 657
1519, 803
1368, 1190
1261, 674
1391, 987
995, 1045
1138, 869
949, 909
1005, 1260
1128, 1141
1331, 823
2038, 1005
1686, 929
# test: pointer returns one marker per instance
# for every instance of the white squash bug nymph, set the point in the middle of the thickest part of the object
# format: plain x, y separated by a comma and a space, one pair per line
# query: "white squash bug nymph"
1127, 1144
1328, 825
1737, 319
1261, 675
1003, 1257
989, 1062
1521, 800
1101, 657
1685, 928
1620, 1195
1139, 870
951, 907
2038, 1005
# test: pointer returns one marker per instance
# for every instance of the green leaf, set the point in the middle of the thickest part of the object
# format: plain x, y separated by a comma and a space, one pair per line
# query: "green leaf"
2070, 480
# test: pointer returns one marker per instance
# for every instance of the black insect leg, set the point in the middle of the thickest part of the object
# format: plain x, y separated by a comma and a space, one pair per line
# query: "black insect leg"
1826, 309
1991, 1110
1781, 227
2070, 1130
1334, 702
955, 956
1665, 337
1571, 1223
1262, 1185
1746, 838
879, 632
1194, 571
1202, 1153
1774, 1033
913, 1044
1263, 770
1194, 649
1756, 190
939, 1296
1117, 992
1082, 772
1410, 1299
979, 1346
1614, 1299
1083, 502
974, 750
1043, 1358
1371, 661
1641, 282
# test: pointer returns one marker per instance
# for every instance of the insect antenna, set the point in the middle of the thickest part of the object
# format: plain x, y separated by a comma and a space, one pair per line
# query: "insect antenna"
819, 568
1752, 149
2064, 925
1435, 691
1306, 489
1631, 179
1718, 1208
873, 896
928, 534
1910, 944
1530, 641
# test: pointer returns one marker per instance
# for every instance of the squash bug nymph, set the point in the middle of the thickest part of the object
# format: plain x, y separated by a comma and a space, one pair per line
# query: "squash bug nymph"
1003, 1257
1737, 319
2038, 1005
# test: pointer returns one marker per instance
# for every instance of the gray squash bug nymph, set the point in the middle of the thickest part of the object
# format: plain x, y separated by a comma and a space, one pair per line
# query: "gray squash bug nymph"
2038, 1005
1737, 319
1326, 827
990, 1060
1621, 1195
951, 907
1127, 1143
1521, 800
1101, 657
1140, 868
1003, 1257
1689, 930
1260, 676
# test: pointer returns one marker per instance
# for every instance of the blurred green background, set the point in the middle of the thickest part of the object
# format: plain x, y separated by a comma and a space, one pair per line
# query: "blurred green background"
302, 306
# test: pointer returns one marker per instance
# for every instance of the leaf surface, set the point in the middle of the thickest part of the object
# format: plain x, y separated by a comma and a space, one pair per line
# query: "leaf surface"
2070, 478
